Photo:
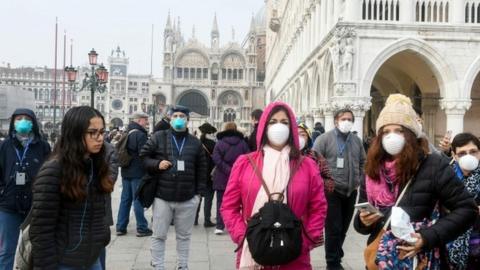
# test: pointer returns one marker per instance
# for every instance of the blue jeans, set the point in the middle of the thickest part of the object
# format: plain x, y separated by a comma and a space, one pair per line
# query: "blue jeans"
130, 186
96, 266
9, 234
103, 258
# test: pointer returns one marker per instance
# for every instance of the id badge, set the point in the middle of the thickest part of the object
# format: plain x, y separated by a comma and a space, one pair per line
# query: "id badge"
340, 163
20, 178
180, 165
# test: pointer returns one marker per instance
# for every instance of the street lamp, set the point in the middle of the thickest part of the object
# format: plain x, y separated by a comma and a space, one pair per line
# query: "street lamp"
96, 81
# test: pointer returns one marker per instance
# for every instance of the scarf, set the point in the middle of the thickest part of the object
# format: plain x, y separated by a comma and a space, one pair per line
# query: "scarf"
458, 249
383, 193
276, 173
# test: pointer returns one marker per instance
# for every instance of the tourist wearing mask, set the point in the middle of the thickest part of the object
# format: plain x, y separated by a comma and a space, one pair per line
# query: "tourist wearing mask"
22, 154
398, 163
230, 146
306, 143
277, 156
346, 158
68, 228
176, 160
464, 252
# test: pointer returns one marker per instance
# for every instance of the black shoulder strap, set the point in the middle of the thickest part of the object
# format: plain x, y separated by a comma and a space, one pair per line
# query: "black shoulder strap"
264, 184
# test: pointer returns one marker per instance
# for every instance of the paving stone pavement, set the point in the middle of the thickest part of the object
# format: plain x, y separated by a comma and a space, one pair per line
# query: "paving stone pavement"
207, 252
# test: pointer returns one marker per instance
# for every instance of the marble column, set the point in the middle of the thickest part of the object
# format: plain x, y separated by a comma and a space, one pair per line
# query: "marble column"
458, 11
358, 124
329, 123
407, 11
455, 111
310, 121
353, 10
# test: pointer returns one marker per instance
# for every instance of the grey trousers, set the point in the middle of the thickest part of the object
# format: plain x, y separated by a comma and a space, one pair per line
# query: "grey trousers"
183, 214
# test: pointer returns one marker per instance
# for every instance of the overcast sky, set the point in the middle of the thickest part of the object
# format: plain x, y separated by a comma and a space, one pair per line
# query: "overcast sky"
27, 28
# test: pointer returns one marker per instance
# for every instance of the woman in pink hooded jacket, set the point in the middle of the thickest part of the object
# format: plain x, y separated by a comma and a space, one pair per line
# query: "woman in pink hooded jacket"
278, 142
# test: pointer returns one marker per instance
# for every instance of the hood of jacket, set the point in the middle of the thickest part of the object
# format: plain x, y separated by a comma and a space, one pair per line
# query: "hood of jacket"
29, 113
262, 124
135, 125
231, 137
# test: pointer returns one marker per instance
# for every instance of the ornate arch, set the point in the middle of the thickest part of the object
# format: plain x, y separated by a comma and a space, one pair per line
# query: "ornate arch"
195, 100
472, 73
230, 98
188, 51
438, 65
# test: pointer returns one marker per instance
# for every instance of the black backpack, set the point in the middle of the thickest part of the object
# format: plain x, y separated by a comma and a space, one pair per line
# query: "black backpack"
124, 158
274, 234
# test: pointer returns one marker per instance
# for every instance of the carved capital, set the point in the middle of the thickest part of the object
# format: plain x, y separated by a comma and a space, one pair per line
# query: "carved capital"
455, 106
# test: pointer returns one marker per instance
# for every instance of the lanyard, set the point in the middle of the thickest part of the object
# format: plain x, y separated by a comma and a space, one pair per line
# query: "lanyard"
341, 148
179, 149
25, 150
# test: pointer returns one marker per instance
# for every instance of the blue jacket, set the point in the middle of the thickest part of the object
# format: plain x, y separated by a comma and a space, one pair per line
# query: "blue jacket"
18, 198
135, 142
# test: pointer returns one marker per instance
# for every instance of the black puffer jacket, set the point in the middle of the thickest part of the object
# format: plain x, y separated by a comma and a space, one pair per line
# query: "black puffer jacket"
174, 185
56, 223
435, 181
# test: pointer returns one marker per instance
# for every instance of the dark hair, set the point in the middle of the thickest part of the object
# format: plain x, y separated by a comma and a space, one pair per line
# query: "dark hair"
418, 110
294, 152
256, 114
410, 157
70, 151
462, 139
341, 112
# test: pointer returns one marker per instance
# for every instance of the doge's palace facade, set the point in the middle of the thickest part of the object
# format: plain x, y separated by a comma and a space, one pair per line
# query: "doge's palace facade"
326, 54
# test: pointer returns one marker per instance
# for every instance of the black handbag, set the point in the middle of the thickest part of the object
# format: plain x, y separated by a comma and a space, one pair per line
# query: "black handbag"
147, 188
274, 234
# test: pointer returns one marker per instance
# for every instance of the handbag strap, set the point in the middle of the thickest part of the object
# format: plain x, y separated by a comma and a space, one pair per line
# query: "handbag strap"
387, 223
264, 184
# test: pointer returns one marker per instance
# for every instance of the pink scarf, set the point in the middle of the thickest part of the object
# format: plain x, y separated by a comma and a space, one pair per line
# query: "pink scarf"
381, 193
276, 173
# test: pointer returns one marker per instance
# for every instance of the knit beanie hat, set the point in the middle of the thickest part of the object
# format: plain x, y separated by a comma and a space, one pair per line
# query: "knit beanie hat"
398, 110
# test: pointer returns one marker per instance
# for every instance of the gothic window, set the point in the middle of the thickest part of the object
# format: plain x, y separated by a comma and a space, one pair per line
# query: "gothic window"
229, 76
192, 73
224, 74
199, 73
229, 115
186, 73
235, 74
240, 74
205, 73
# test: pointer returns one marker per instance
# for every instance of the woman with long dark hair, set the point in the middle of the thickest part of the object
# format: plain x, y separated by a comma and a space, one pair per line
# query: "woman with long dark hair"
290, 178
400, 168
68, 229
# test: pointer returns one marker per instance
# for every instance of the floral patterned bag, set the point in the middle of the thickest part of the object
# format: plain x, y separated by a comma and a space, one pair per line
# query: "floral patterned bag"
388, 255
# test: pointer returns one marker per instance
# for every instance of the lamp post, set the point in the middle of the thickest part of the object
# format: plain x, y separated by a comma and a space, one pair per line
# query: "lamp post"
96, 81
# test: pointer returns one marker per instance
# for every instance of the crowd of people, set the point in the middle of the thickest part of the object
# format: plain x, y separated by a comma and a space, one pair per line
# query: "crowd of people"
280, 192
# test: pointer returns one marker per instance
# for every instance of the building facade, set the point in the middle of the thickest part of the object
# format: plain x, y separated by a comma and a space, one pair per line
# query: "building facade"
126, 93
323, 55
40, 82
11, 98
219, 83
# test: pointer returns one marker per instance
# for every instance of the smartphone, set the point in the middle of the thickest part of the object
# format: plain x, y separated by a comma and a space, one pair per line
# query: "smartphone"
368, 207
449, 135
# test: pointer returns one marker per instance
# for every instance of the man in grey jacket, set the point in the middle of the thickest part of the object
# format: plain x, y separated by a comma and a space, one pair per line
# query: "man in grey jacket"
346, 158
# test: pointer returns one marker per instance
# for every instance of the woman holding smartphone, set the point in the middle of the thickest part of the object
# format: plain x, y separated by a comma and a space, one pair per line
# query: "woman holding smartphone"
399, 155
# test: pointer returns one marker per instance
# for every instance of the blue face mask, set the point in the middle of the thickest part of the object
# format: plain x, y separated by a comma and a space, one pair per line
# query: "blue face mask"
23, 126
178, 124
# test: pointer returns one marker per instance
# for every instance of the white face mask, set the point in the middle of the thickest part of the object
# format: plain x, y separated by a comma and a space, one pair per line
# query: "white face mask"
393, 143
302, 142
278, 134
468, 163
345, 126
210, 137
